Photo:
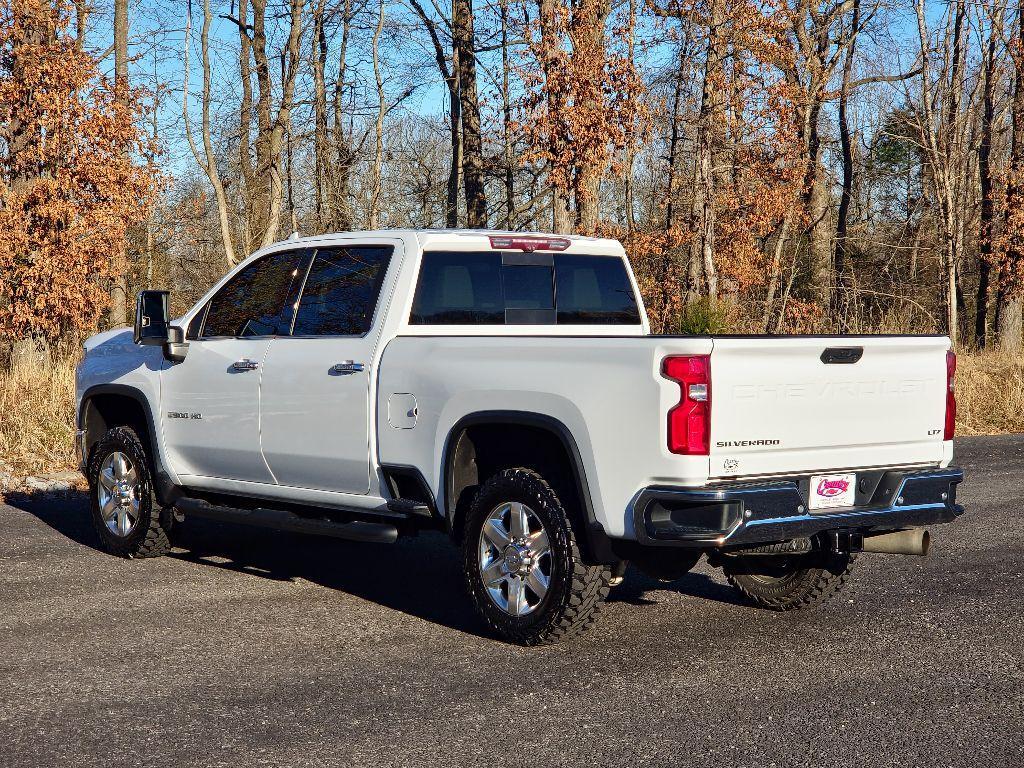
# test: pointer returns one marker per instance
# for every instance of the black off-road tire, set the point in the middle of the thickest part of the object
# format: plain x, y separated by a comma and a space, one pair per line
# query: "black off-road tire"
787, 583
576, 590
150, 536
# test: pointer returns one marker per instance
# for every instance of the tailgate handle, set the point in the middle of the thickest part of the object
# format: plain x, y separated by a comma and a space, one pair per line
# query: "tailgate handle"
841, 355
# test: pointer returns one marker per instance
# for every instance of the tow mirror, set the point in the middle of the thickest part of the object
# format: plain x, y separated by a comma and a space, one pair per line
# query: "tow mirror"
151, 320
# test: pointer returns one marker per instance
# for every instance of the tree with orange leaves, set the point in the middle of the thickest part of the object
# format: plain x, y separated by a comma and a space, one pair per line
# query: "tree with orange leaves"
71, 182
746, 175
585, 101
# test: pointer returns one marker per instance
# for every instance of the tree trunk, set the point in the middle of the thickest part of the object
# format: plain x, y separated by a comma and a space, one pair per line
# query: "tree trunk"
378, 153
207, 160
321, 145
119, 289
506, 104
455, 127
259, 205
590, 17
1011, 322
340, 210
451, 81
709, 119
82, 10
561, 216
627, 191
472, 145
1009, 306
245, 161
271, 125
987, 215
820, 231
841, 298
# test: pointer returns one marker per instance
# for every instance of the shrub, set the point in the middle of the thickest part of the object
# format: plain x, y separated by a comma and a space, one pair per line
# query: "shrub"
37, 416
705, 317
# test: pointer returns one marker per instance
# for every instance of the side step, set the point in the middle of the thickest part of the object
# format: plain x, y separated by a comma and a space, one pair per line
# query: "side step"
282, 520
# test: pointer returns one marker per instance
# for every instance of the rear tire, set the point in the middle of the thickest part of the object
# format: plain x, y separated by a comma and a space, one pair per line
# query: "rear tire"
786, 583
557, 595
125, 513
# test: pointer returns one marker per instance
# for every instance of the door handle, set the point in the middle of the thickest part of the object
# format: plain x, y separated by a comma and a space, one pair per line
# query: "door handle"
841, 355
245, 364
346, 367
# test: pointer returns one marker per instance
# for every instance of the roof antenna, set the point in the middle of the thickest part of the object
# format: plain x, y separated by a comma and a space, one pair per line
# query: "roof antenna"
294, 235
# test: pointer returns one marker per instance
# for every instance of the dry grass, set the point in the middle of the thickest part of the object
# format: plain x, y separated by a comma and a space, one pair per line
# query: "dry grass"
37, 423
37, 420
989, 393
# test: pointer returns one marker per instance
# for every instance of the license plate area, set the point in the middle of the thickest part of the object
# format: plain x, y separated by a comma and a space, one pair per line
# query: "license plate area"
833, 490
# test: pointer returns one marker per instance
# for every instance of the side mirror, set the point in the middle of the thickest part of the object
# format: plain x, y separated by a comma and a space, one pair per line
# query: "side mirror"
151, 320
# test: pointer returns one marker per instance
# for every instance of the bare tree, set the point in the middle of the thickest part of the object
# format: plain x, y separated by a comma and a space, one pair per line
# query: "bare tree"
986, 174
119, 290
942, 122
472, 145
207, 159
378, 152
449, 69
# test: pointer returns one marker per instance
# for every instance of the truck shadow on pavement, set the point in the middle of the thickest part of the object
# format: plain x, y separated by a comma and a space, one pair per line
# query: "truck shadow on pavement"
420, 576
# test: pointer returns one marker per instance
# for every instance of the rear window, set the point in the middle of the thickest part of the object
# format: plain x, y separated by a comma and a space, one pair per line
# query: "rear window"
495, 288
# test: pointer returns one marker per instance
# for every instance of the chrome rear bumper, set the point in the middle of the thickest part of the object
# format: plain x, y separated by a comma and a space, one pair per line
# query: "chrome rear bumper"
746, 514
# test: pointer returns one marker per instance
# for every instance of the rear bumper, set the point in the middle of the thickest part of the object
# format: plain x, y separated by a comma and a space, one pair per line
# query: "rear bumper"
775, 511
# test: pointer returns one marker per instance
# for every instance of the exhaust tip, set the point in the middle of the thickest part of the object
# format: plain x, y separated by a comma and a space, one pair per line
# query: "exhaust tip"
912, 541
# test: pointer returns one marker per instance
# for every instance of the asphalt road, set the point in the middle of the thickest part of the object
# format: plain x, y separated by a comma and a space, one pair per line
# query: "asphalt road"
251, 648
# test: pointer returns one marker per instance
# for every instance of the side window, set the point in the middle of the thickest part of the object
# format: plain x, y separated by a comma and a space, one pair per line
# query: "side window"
341, 291
259, 300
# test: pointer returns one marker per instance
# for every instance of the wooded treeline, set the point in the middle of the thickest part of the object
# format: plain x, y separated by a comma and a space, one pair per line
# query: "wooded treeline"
771, 165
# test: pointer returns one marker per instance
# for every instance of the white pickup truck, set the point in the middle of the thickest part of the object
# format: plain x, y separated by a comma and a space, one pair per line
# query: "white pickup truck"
505, 388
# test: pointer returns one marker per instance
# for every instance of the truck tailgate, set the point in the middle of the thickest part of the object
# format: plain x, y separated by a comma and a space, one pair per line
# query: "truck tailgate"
778, 408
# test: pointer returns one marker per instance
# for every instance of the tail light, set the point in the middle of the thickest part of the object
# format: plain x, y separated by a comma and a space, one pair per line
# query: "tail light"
950, 396
689, 422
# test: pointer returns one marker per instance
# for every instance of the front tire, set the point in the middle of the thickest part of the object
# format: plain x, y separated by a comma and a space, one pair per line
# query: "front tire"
125, 514
786, 583
522, 562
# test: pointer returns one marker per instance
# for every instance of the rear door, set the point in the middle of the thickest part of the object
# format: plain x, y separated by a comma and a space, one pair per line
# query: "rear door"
794, 405
315, 400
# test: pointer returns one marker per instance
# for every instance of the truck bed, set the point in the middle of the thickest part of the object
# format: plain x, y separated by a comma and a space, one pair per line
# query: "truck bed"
776, 408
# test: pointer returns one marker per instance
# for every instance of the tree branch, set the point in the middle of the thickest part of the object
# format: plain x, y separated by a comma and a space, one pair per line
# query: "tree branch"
886, 78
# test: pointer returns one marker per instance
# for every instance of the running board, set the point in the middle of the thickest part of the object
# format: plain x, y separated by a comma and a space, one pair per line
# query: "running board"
408, 507
282, 520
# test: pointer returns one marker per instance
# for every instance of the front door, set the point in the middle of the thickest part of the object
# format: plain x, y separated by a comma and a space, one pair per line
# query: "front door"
316, 383
210, 400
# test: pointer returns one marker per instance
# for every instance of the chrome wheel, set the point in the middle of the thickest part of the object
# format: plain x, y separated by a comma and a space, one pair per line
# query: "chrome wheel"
117, 490
515, 558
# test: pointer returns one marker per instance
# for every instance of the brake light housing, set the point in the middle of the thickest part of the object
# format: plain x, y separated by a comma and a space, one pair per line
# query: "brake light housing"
689, 421
950, 396
529, 244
